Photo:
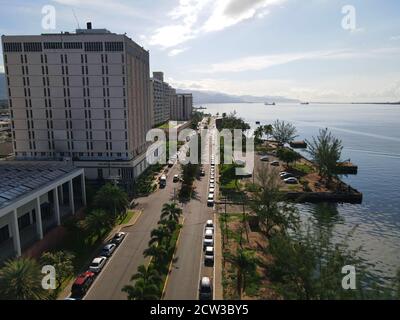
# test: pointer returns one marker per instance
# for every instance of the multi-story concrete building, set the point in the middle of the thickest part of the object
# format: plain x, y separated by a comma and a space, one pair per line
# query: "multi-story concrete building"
83, 95
162, 98
183, 110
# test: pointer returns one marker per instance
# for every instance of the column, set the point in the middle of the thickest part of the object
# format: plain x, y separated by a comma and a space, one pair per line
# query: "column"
83, 187
15, 233
39, 226
61, 190
56, 206
71, 196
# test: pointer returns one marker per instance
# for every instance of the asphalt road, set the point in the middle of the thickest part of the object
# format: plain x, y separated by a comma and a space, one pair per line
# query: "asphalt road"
125, 261
188, 267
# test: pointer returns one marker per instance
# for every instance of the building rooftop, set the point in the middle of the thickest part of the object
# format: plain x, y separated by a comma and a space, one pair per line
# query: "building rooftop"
17, 178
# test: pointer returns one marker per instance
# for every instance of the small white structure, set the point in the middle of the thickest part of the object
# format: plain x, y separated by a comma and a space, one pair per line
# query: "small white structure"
34, 197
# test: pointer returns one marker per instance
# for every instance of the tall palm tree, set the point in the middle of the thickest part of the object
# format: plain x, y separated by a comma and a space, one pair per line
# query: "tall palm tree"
171, 225
245, 264
159, 253
147, 285
159, 235
171, 211
96, 222
21, 279
112, 199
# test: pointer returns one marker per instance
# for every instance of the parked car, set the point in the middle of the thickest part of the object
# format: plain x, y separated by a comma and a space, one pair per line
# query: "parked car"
82, 284
163, 181
291, 181
203, 173
208, 240
118, 237
212, 180
212, 176
264, 159
211, 190
176, 178
212, 185
210, 224
287, 175
97, 264
171, 163
209, 256
108, 250
210, 200
275, 163
205, 289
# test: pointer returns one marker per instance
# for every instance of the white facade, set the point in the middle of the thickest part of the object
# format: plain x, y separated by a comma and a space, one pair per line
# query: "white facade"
26, 210
83, 95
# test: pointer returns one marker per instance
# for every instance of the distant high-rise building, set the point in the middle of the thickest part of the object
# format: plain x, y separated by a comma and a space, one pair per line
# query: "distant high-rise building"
160, 92
183, 109
83, 95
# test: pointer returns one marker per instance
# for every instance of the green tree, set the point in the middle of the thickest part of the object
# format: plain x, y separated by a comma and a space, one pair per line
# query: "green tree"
21, 279
283, 132
97, 222
325, 151
147, 285
287, 155
258, 134
62, 261
273, 213
171, 211
245, 263
171, 225
268, 129
159, 235
112, 199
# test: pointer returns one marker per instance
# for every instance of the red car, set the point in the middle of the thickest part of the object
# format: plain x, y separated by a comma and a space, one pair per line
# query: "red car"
82, 284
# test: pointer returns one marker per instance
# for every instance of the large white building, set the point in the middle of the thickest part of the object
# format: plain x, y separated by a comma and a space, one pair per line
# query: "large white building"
34, 198
84, 96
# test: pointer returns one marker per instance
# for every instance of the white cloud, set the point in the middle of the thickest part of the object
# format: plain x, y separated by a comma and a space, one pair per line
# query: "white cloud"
175, 52
192, 18
255, 63
230, 12
394, 38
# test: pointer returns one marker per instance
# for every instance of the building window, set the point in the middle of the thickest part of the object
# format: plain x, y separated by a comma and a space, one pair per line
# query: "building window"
114, 46
12, 47
73, 45
52, 45
93, 46
32, 46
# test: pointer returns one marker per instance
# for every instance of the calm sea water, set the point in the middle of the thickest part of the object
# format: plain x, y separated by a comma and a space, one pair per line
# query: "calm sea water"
371, 139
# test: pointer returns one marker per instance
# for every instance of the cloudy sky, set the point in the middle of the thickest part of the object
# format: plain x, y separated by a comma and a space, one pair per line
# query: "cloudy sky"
305, 49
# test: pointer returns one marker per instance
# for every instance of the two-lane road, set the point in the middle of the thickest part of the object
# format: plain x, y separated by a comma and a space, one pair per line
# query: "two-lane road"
124, 263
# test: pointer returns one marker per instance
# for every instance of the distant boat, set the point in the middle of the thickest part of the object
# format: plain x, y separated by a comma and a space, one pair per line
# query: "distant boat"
305, 103
270, 104
258, 122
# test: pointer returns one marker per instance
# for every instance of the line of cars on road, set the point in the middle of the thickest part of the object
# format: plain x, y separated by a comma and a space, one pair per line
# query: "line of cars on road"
83, 282
205, 287
211, 186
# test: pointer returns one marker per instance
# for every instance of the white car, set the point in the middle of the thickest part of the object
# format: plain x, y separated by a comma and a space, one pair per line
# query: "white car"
212, 176
209, 225
212, 180
212, 185
211, 190
209, 256
208, 240
97, 264
291, 181
117, 239
108, 250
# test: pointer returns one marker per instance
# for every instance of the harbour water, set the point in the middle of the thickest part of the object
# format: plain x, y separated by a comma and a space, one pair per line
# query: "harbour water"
371, 139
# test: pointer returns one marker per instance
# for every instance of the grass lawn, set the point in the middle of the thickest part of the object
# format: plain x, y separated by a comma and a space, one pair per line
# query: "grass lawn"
304, 168
130, 214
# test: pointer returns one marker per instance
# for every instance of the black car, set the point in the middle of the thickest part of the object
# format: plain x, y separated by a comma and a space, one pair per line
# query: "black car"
205, 289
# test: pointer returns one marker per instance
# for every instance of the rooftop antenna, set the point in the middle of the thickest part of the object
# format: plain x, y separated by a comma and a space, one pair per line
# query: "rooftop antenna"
76, 19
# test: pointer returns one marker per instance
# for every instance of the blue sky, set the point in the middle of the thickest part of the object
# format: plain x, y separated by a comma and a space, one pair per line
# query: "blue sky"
293, 48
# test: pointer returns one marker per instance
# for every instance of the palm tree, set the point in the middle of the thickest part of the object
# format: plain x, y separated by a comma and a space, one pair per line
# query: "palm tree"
21, 279
171, 211
171, 225
147, 285
258, 134
97, 221
112, 199
245, 264
159, 235
158, 252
